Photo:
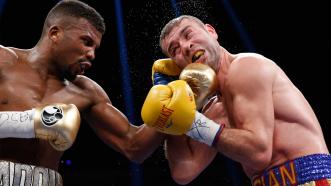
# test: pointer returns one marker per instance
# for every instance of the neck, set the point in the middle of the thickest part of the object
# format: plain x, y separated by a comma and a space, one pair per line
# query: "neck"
225, 61
40, 60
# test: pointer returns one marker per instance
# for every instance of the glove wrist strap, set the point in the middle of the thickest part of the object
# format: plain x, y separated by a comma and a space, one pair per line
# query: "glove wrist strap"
205, 130
17, 124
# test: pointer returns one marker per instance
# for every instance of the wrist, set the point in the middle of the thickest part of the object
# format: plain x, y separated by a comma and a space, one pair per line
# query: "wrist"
162, 79
17, 124
205, 130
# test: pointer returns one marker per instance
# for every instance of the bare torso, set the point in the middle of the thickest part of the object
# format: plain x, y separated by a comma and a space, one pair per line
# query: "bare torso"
22, 88
297, 131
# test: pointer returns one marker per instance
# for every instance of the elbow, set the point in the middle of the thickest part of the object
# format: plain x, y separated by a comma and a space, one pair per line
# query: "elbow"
183, 177
135, 158
262, 159
261, 153
134, 155
131, 152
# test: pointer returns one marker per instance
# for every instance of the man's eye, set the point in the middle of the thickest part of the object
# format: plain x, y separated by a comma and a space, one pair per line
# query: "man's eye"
87, 42
174, 51
188, 35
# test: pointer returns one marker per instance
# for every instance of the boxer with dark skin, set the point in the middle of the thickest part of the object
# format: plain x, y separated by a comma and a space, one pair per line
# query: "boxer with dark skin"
52, 72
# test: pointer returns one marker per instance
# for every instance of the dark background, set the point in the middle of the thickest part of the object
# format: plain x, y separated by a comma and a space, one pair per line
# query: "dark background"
296, 35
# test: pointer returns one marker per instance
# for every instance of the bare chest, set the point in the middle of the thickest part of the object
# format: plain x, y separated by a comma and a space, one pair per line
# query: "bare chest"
22, 88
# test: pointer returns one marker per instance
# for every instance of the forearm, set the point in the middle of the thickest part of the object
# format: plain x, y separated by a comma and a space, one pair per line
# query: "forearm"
180, 158
113, 127
187, 158
252, 147
143, 141
243, 146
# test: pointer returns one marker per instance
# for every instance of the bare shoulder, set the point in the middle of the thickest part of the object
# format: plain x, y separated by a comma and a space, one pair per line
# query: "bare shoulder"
7, 55
251, 67
252, 58
252, 63
90, 86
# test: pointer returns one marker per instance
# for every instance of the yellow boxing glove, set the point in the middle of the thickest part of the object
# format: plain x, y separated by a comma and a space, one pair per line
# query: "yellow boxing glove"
170, 108
164, 70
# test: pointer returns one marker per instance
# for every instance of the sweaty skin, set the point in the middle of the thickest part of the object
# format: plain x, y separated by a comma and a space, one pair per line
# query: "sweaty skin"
187, 158
270, 121
39, 76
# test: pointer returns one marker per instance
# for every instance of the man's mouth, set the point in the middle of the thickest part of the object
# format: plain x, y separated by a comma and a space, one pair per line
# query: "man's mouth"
84, 66
82, 69
197, 55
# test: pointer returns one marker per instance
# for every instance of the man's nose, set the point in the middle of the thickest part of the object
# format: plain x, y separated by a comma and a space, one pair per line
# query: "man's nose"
90, 55
187, 48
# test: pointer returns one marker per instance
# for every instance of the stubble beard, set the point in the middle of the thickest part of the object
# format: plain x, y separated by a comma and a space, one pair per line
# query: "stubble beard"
68, 74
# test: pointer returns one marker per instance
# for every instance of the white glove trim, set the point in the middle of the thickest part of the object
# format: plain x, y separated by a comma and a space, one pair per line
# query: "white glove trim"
17, 124
204, 129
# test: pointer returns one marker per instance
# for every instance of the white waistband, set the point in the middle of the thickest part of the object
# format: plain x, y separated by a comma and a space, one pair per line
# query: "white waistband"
17, 174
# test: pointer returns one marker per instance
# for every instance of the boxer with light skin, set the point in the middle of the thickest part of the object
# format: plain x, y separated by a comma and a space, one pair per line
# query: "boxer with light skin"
268, 126
44, 95
183, 153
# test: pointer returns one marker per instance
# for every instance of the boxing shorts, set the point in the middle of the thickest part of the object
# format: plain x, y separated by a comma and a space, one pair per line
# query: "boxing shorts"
311, 170
16, 174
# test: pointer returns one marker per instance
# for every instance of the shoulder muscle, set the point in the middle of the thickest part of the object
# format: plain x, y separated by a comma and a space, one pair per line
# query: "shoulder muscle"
7, 55
250, 73
93, 88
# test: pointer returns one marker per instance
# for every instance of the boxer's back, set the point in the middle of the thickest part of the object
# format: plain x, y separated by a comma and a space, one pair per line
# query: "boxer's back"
297, 130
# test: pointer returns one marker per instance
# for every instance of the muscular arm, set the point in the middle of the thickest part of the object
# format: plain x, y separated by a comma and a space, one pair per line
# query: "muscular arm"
187, 158
112, 126
250, 108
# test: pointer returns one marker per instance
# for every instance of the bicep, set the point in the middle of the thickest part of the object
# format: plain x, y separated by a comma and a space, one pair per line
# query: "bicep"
253, 113
252, 101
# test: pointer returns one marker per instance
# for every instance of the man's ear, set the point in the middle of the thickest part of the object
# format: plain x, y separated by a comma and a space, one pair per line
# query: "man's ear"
211, 30
54, 33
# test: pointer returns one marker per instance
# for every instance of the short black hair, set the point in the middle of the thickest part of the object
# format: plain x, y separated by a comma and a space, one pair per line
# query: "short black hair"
77, 9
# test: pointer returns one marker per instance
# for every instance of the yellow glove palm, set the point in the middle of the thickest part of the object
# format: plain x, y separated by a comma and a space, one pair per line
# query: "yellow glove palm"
170, 108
